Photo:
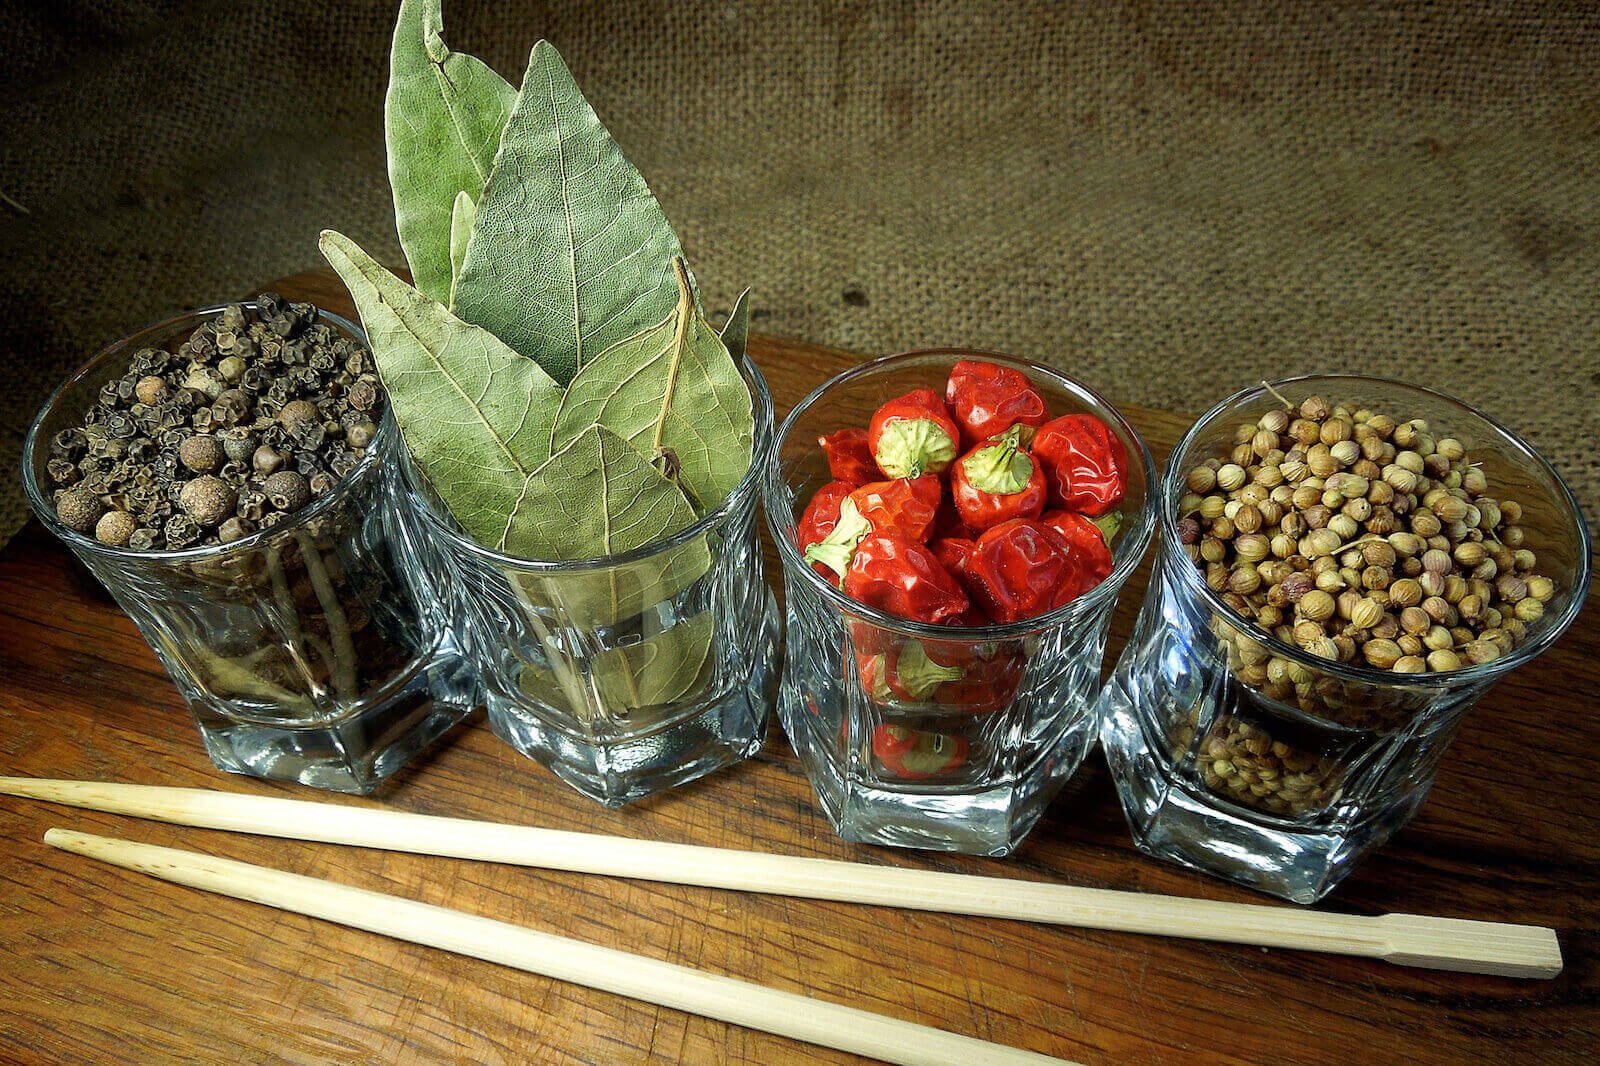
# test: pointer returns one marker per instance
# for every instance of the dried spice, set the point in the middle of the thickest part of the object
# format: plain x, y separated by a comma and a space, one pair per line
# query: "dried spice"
1362, 539
552, 372
180, 447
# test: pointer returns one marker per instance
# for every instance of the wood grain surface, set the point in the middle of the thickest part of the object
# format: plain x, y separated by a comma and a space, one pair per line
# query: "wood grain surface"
100, 965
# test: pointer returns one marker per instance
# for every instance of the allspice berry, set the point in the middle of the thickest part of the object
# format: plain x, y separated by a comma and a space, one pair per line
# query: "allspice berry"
79, 509
287, 490
202, 453
297, 413
150, 390
114, 528
207, 500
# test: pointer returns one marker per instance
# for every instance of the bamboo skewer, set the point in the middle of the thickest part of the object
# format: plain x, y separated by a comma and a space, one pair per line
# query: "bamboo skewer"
1403, 939
651, 980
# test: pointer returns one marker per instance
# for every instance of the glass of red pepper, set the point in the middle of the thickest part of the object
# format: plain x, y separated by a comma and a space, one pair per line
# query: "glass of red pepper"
1236, 752
954, 527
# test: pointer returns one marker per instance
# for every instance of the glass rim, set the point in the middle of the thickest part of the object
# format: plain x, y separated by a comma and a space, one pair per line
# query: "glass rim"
748, 486
1173, 487
1137, 533
44, 510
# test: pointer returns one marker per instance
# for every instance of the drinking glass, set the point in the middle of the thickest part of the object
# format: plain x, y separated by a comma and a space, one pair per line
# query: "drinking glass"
966, 756
625, 674
314, 650
1237, 753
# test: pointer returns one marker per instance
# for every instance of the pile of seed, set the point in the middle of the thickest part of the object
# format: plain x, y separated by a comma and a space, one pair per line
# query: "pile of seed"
1241, 761
1362, 539
251, 417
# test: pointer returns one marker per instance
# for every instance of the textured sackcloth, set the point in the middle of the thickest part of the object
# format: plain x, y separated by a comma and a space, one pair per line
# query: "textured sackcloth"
1167, 200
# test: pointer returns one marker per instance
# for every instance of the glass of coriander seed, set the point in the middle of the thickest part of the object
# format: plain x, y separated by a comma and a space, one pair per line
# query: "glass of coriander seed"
230, 476
1346, 565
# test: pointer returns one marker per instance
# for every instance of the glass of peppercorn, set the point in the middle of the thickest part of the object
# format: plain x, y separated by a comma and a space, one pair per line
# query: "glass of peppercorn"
1346, 566
230, 476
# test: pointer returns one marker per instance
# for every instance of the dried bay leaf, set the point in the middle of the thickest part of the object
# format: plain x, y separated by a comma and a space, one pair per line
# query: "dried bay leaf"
443, 117
461, 218
657, 670
570, 252
596, 496
474, 414
650, 673
671, 387
736, 331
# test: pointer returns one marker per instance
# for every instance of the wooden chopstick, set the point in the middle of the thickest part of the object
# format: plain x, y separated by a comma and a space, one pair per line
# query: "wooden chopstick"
651, 980
1404, 939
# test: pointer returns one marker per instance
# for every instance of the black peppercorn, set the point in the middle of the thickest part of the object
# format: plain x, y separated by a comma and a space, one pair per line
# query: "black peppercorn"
266, 459
62, 471
234, 529
238, 400
231, 408
182, 532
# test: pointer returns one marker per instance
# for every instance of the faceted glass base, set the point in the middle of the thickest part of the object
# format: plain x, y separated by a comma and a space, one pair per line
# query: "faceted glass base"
1170, 821
355, 752
700, 736
973, 821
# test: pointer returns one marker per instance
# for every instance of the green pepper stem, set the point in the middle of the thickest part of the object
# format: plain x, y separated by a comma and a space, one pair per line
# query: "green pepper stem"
837, 549
1000, 468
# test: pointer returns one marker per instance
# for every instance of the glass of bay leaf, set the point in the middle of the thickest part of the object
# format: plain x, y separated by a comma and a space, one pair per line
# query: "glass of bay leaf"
313, 650
584, 448
971, 771
631, 673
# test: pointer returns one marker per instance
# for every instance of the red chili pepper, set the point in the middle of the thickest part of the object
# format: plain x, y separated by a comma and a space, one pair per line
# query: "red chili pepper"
996, 482
1087, 540
896, 574
953, 553
906, 673
849, 457
991, 674
1022, 569
912, 435
905, 505
947, 521
1087, 465
819, 519
916, 755
987, 399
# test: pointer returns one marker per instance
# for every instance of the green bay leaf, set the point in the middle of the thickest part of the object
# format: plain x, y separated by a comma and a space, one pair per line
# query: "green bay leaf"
672, 386
570, 252
657, 670
474, 414
595, 497
461, 218
443, 117
736, 331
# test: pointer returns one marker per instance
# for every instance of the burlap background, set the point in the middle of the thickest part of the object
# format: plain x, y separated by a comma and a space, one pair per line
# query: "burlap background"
1168, 200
